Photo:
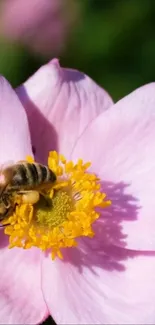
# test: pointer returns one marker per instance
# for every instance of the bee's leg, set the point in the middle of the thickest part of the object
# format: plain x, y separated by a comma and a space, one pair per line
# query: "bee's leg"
30, 197
6, 200
6, 215
46, 199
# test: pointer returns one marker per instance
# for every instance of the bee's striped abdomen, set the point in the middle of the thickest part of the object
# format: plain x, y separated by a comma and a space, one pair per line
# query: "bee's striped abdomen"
20, 177
40, 174
33, 173
29, 176
45, 175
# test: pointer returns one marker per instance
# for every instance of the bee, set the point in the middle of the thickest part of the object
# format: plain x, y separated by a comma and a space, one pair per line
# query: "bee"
23, 178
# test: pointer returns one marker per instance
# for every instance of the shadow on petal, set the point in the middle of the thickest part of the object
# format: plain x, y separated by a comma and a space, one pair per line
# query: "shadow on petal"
124, 207
43, 134
4, 239
107, 249
72, 75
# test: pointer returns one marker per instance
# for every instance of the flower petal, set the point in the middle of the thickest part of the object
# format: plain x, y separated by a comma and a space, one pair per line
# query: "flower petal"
122, 151
15, 139
60, 103
21, 300
111, 286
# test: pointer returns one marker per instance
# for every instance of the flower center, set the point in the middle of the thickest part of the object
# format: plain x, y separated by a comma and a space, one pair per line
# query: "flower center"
53, 211
65, 211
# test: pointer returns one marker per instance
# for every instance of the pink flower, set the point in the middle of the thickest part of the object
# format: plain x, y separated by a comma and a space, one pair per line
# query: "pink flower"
42, 25
108, 279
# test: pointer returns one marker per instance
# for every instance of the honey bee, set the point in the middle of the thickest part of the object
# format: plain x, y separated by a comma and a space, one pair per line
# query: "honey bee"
22, 178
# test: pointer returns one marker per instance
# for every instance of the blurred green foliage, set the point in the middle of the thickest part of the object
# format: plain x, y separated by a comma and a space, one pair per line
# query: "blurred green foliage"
113, 42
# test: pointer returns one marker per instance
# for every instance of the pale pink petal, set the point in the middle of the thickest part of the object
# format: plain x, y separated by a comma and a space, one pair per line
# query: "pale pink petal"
60, 103
111, 286
15, 138
21, 300
121, 145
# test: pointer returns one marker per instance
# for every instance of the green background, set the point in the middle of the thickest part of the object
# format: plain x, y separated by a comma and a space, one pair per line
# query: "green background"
113, 42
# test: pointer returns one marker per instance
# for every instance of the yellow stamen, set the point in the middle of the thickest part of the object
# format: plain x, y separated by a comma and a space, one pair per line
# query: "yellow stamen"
64, 212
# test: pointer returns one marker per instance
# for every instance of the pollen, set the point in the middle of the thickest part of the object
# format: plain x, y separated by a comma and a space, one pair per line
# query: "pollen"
64, 212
